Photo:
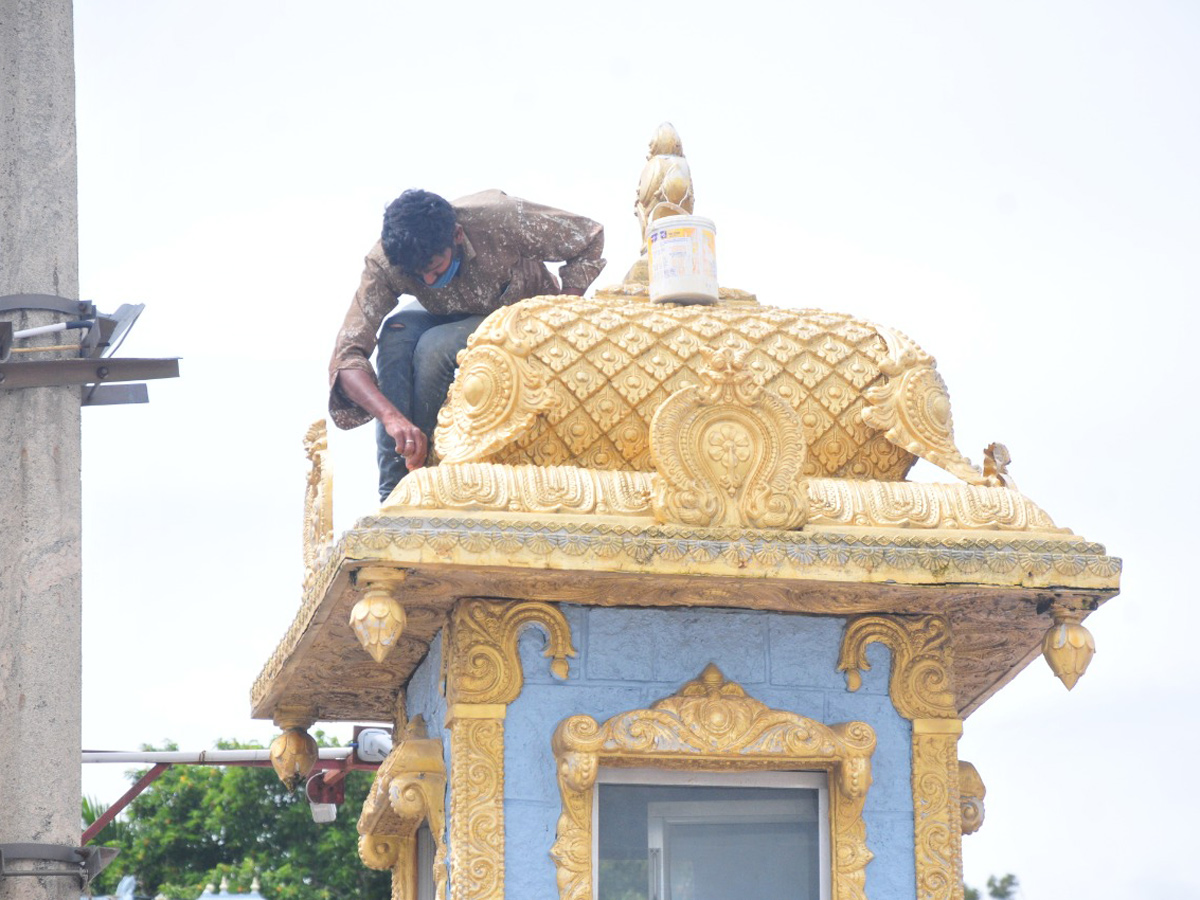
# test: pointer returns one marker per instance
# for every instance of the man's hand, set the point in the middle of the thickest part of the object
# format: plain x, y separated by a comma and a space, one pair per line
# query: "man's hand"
359, 386
410, 440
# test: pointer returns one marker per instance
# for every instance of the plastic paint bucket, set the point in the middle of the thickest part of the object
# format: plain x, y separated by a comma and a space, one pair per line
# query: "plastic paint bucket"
683, 260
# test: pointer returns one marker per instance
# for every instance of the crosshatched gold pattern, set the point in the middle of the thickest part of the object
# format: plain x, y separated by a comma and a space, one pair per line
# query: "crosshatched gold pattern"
409, 789
922, 691
712, 724
562, 380
483, 675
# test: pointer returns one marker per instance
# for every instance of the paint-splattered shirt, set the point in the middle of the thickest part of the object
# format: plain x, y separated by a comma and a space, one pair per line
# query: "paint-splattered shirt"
506, 243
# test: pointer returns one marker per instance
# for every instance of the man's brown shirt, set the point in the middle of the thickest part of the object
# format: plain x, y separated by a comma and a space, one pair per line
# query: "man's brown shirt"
506, 242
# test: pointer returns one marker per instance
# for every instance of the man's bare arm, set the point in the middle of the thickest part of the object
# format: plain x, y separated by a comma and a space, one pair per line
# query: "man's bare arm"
359, 387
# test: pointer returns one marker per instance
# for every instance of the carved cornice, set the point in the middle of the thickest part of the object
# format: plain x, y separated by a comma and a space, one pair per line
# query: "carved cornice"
409, 790
569, 490
920, 683
711, 723
483, 665
922, 558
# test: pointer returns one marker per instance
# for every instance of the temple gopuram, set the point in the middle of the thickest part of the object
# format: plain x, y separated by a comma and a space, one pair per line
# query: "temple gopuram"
667, 621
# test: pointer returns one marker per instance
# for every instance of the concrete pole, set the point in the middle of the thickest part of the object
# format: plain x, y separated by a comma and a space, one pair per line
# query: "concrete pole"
40, 593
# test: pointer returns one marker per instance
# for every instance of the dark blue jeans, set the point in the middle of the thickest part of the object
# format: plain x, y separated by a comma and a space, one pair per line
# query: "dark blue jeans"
416, 361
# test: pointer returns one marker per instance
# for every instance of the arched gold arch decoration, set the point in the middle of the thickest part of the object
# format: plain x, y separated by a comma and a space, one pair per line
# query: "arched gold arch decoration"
409, 790
922, 691
712, 724
728, 452
483, 675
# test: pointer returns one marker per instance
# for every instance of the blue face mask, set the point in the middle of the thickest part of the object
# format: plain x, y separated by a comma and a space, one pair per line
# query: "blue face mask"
446, 277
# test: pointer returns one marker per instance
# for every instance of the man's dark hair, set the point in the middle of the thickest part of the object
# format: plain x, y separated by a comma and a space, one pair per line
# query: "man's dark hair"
417, 226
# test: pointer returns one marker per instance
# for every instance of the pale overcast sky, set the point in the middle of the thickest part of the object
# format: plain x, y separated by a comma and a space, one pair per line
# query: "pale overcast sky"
1012, 184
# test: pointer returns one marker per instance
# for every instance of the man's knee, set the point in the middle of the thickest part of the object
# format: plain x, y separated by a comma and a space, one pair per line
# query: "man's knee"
436, 354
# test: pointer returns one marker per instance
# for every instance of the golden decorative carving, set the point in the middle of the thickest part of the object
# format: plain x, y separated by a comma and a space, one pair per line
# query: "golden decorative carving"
294, 753
711, 724
665, 188
922, 691
920, 684
562, 380
1068, 645
483, 665
378, 619
550, 490
998, 578
483, 675
912, 408
477, 808
936, 809
971, 791
996, 460
318, 501
728, 452
569, 490
409, 790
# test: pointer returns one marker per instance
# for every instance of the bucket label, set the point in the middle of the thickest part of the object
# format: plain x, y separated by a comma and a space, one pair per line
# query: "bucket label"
683, 263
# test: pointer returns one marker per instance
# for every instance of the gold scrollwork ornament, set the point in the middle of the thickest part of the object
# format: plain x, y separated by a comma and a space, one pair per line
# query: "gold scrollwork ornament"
728, 452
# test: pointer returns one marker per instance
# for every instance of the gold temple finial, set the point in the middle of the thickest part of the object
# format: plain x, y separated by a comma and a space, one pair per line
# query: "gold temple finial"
294, 753
1068, 646
665, 188
378, 619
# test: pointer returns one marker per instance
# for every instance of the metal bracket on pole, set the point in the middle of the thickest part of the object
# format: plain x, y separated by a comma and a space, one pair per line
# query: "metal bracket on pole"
47, 303
85, 863
49, 372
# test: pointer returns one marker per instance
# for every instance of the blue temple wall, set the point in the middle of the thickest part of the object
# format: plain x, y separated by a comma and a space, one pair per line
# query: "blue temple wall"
629, 658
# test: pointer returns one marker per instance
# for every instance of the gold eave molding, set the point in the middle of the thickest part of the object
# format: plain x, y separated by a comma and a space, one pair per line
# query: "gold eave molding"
995, 587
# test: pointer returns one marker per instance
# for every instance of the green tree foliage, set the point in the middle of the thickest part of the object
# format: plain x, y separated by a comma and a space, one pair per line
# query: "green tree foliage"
998, 888
198, 824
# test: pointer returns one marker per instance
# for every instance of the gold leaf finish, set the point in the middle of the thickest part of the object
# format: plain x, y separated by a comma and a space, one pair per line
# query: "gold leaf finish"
483, 666
564, 380
477, 809
922, 690
1068, 646
920, 684
971, 792
937, 810
728, 452
293, 756
569, 490
483, 675
712, 724
409, 790
378, 619
318, 501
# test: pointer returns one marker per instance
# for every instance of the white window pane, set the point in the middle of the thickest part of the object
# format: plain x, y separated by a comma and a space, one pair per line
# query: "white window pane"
688, 842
